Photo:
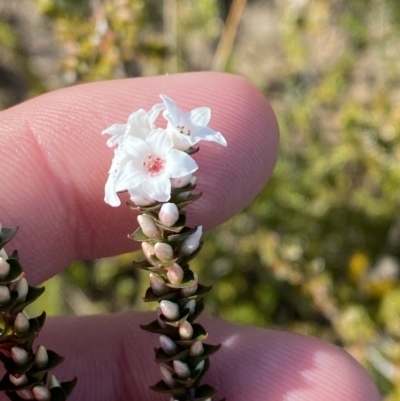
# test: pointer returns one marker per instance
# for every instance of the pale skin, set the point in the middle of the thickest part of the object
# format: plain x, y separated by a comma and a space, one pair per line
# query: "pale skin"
54, 167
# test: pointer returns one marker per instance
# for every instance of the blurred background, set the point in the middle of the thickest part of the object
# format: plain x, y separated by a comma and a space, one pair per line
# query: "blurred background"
318, 251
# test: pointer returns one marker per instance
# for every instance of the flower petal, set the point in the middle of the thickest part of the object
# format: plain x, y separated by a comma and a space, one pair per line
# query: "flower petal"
158, 187
208, 134
179, 163
159, 141
200, 116
172, 113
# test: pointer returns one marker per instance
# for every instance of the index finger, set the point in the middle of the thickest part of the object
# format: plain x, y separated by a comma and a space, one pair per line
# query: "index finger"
56, 163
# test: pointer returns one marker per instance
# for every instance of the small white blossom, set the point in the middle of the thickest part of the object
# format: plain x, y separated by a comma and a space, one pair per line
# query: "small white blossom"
145, 167
140, 124
188, 129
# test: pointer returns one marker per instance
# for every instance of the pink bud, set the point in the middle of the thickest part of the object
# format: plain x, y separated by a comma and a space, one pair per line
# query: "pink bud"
41, 393
4, 268
18, 381
148, 250
163, 251
168, 345
167, 376
169, 309
181, 369
169, 214
191, 243
41, 357
196, 349
189, 291
157, 284
19, 356
25, 394
21, 324
175, 274
4, 294
22, 288
181, 181
148, 226
185, 330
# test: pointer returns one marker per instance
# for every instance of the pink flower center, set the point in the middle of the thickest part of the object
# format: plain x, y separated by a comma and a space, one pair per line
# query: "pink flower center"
154, 164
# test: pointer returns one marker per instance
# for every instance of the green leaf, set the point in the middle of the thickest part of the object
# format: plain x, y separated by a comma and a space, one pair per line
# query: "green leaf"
154, 327
69, 386
203, 392
181, 203
163, 357
54, 360
151, 297
33, 294
15, 271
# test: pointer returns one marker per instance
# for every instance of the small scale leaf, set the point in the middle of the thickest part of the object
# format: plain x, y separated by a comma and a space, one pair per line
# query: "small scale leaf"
57, 394
162, 357
33, 294
187, 281
154, 327
54, 360
208, 351
203, 392
177, 227
151, 297
15, 271
69, 386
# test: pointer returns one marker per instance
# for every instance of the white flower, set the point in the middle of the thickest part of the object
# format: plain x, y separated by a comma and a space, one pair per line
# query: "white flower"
145, 167
188, 129
140, 123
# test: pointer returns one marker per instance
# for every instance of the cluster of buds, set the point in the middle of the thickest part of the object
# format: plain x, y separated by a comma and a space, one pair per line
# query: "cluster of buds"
168, 246
27, 372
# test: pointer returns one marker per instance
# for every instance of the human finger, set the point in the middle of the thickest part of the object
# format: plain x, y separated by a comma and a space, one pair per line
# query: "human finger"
113, 359
56, 162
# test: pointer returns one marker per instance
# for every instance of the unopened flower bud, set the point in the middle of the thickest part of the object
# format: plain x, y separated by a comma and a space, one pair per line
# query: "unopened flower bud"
148, 250
3, 253
157, 284
181, 181
175, 274
168, 214
21, 324
54, 382
163, 251
41, 357
185, 330
18, 381
189, 291
169, 309
4, 295
191, 243
19, 356
4, 268
169, 347
196, 349
25, 394
22, 288
181, 369
148, 226
167, 376
191, 305
41, 393
200, 365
